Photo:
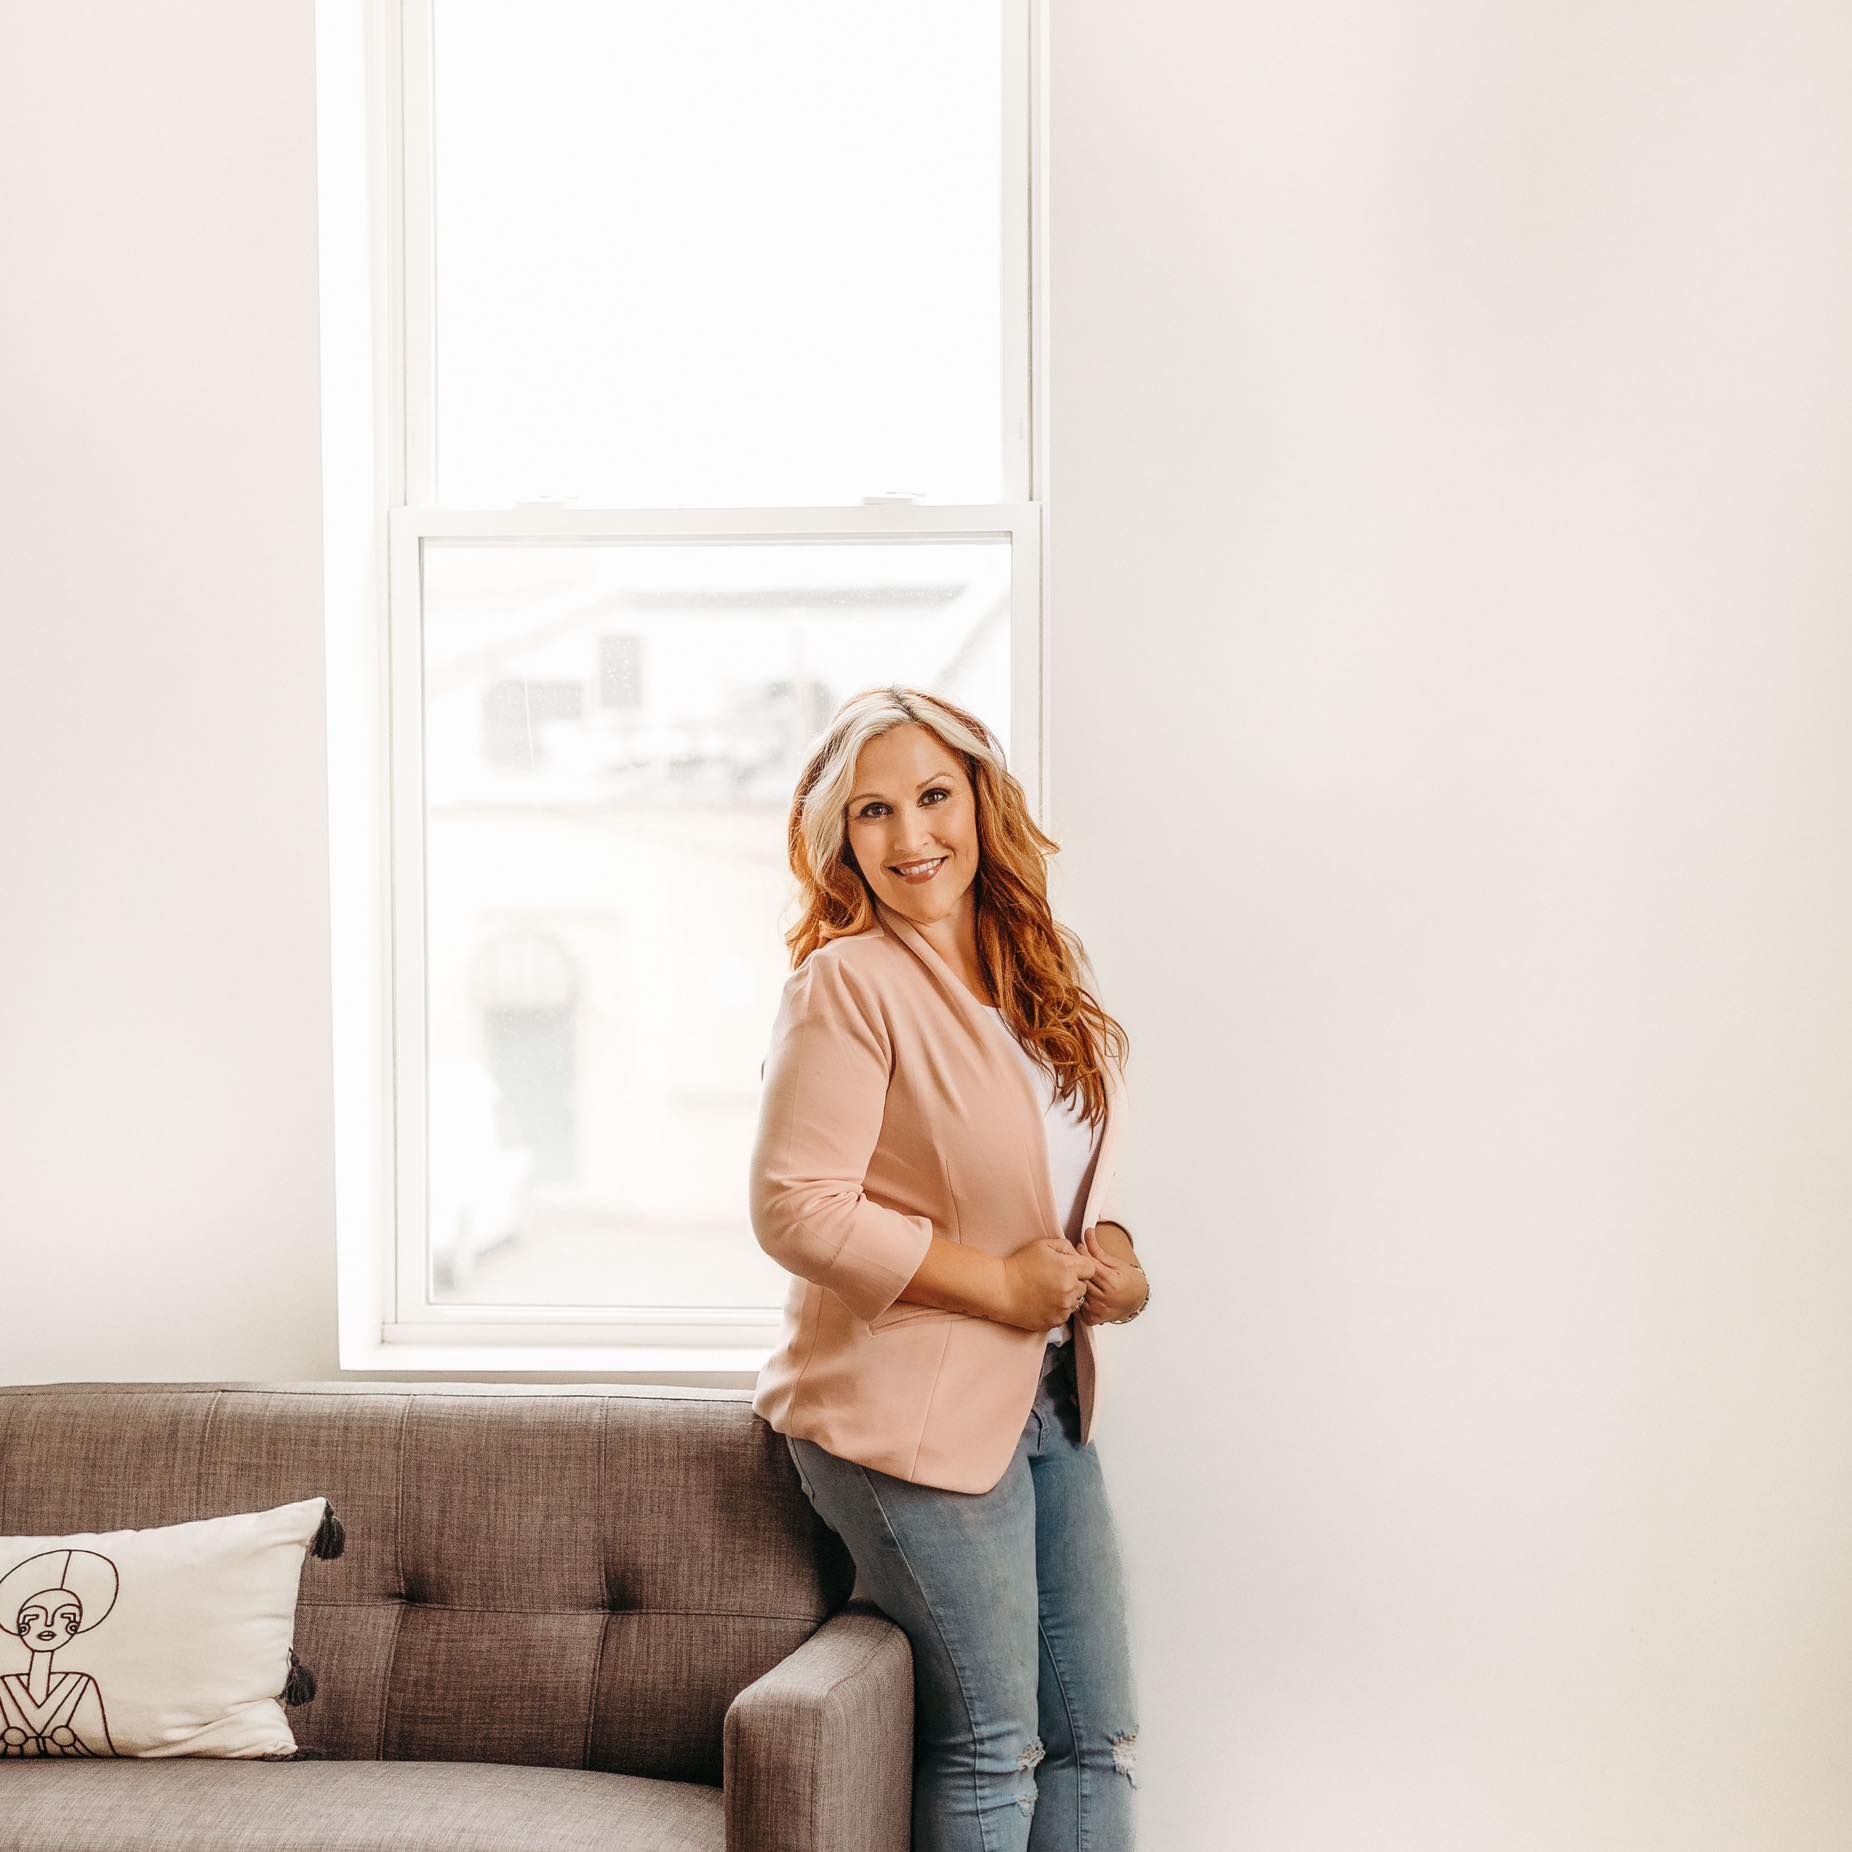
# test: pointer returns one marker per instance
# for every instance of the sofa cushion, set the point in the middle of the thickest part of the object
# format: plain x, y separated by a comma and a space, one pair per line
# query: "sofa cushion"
195, 1806
169, 1641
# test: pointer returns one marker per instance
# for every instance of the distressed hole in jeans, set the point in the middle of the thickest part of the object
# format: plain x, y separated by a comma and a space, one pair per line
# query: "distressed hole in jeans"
1124, 1751
1026, 1762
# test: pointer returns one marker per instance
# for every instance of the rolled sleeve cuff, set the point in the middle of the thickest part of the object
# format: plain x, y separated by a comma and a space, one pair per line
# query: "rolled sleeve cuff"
882, 1253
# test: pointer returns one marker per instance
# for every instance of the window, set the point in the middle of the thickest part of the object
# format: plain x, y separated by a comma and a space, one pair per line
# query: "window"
701, 392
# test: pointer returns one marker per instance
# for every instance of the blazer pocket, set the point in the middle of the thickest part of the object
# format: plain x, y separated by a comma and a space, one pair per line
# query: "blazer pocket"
906, 1312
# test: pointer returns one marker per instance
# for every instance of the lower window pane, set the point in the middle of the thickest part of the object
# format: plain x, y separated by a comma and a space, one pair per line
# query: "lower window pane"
612, 734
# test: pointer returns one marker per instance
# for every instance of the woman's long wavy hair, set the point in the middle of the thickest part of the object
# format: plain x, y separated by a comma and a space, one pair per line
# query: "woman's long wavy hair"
1031, 963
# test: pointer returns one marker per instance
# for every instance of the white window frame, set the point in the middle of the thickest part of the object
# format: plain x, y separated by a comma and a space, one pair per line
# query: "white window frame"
374, 65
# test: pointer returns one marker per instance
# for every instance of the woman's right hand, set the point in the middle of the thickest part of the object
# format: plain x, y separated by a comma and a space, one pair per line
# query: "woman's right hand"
1044, 1282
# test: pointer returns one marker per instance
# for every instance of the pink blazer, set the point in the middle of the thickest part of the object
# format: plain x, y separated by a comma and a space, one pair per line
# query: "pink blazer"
892, 1110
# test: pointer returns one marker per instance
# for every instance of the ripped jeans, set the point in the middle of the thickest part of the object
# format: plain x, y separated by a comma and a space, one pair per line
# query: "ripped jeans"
1025, 1717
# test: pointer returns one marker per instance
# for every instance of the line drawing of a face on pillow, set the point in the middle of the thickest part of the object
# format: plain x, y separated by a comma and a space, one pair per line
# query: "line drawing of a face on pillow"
46, 1601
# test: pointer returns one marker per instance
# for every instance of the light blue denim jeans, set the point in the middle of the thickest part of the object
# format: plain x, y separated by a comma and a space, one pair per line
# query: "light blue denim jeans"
1025, 1717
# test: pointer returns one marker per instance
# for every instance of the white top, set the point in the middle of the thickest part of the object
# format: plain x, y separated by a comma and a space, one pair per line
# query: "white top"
1072, 1144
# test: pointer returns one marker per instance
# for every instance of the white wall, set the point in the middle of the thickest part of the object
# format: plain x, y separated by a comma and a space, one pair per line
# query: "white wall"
1453, 449
1452, 432
164, 1042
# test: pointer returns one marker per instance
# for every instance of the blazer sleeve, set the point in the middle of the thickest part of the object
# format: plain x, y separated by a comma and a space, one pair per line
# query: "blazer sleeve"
820, 1115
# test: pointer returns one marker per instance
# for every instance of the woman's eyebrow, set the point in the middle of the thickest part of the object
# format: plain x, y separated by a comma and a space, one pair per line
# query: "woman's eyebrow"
921, 786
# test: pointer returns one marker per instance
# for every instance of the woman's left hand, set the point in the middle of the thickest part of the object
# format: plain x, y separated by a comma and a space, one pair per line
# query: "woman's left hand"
1117, 1287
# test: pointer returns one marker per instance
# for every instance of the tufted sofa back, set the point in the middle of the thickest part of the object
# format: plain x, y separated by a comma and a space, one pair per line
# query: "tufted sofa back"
575, 1575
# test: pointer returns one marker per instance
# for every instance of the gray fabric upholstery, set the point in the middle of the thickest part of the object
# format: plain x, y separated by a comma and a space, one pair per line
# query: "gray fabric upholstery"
820, 1749
608, 1579
192, 1805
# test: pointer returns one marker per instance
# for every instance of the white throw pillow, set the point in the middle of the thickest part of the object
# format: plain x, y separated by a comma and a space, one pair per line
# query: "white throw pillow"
176, 1641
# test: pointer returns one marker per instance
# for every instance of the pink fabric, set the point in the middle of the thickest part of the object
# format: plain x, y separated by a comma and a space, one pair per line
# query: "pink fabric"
892, 1111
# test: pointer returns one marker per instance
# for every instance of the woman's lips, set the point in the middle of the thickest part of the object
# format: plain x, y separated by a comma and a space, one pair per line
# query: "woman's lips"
921, 880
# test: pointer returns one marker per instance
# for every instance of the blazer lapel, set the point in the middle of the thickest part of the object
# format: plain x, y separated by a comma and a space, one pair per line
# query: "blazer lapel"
977, 1019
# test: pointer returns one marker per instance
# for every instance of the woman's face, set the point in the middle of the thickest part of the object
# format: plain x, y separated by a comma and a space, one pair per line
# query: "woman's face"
912, 802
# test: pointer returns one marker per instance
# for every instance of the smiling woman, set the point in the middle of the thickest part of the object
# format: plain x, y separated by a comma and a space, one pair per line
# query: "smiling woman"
934, 1050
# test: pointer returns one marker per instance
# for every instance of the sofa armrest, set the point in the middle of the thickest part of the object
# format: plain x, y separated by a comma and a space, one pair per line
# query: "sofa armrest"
818, 1752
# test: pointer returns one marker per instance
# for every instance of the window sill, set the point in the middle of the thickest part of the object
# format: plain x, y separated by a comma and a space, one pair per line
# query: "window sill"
661, 1362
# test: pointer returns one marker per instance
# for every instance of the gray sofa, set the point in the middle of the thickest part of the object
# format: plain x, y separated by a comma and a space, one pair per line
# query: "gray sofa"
566, 1616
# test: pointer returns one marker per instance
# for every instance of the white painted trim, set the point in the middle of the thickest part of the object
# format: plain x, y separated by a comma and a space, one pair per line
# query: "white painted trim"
1028, 665
897, 521
407, 885
672, 1331
357, 474
415, 230
1040, 332
1020, 114
663, 1362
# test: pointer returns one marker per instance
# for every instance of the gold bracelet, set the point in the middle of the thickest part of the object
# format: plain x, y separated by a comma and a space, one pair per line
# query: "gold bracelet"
1145, 1301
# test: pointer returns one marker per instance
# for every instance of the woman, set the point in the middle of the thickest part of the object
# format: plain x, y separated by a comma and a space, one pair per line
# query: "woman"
935, 1143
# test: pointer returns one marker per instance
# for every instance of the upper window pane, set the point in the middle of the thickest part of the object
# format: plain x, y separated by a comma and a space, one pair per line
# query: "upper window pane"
717, 252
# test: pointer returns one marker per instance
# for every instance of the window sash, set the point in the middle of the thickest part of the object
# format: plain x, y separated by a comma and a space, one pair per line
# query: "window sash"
412, 256
413, 1315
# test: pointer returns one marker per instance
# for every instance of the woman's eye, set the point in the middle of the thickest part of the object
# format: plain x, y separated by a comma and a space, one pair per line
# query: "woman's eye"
868, 810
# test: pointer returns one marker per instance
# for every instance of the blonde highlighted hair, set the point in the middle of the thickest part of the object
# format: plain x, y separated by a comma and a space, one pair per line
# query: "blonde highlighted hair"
1032, 964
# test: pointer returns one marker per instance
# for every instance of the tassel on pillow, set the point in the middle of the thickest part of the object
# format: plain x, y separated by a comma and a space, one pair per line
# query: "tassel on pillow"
299, 1687
329, 1541
330, 1535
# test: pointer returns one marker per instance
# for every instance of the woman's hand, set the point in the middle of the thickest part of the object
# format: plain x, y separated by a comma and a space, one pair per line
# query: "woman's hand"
1044, 1282
1117, 1287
